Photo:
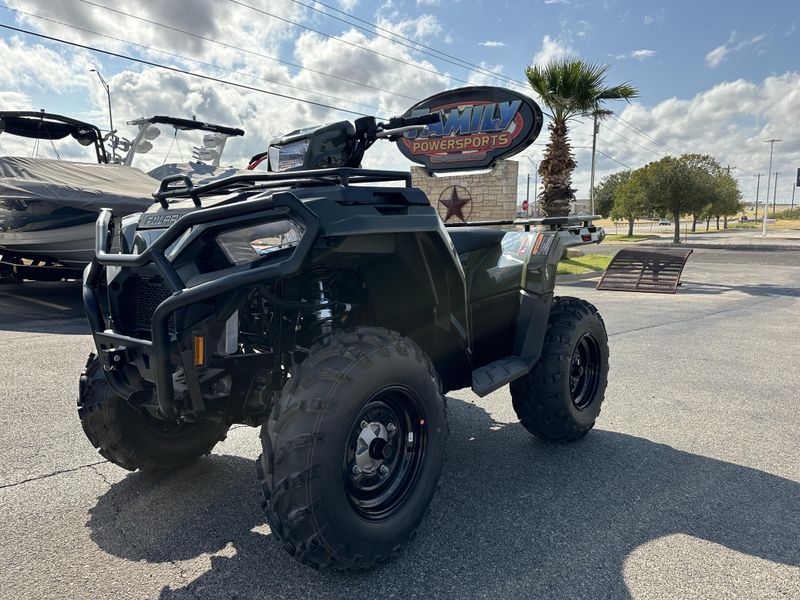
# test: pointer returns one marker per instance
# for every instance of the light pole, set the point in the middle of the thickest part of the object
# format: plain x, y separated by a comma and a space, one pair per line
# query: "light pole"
766, 198
110, 118
758, 185
774, 193
535, 185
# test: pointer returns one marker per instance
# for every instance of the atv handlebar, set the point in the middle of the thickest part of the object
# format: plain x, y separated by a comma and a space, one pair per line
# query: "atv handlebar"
420, 120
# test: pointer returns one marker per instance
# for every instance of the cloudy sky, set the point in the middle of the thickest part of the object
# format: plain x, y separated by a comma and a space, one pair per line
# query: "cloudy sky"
716, 77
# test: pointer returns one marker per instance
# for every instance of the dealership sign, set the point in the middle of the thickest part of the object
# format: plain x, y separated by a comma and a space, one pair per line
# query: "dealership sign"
477, 126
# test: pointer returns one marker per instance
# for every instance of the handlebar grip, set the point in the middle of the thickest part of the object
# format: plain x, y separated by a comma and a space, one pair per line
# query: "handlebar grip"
428, 119
397, 122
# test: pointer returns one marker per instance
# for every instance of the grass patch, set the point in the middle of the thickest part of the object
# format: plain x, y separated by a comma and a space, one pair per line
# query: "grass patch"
623, 237
788, 215
583, 264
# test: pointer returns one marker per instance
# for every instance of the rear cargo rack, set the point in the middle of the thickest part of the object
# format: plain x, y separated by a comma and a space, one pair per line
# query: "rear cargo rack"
554, 223
257, 181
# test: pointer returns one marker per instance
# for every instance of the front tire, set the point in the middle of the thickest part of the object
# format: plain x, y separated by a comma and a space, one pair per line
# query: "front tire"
133, 439
560, 398
353, 450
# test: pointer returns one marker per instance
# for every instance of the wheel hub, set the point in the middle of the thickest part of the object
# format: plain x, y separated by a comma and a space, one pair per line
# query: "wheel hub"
385, 451
371, 447
584, 372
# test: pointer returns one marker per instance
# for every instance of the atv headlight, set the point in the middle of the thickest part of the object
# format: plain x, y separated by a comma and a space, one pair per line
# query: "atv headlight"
288, 156
245, 245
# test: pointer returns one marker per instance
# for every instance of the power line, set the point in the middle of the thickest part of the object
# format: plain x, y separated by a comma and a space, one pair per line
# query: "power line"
246, 51
454, 60
186, 58
177, 70
589, 148
633, 142
341, 41
633, 127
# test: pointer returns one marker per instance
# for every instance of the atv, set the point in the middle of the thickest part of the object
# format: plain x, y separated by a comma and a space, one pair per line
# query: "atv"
332, 307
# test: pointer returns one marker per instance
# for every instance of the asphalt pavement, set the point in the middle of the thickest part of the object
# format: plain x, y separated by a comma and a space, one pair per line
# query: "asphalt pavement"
689, 486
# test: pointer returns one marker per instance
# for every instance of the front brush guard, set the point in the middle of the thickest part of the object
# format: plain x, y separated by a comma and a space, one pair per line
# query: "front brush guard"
241, 213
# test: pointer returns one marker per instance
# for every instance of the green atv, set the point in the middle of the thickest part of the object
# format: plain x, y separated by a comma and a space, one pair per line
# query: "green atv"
330, 306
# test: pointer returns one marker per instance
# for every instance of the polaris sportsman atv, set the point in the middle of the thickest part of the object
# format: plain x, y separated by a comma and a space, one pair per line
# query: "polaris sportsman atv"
335, 311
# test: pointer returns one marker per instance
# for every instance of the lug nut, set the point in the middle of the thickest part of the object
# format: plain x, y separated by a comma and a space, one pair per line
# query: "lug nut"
391, 427
356, 469
364, 424
384, 469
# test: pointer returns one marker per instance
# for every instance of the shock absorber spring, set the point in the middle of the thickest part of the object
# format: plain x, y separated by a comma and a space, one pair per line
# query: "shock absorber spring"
324, 316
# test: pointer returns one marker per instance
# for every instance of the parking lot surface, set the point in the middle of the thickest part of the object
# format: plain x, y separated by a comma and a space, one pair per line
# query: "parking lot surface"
688, 487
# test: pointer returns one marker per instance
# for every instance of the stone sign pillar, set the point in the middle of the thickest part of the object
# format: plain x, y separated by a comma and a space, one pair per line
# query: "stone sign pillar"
486, 197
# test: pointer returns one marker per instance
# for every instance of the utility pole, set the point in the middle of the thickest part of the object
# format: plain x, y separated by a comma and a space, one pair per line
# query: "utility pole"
794, 187
598, 114
758, 185
110, 119
774, 194
766, 199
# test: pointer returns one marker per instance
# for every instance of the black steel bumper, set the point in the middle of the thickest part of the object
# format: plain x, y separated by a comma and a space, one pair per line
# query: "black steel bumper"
153, 357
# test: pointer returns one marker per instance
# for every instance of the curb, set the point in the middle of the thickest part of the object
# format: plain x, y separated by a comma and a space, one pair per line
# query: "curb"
578, 277
741, 247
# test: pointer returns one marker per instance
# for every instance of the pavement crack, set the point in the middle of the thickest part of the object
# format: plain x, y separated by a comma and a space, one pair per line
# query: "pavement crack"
53, 474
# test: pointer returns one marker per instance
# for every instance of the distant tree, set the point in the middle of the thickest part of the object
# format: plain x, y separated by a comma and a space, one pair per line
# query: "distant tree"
605, 192
703, 171
568, 88
727, 198
631, 198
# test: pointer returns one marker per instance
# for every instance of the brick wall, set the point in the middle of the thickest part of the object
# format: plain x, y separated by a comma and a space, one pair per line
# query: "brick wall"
490, 196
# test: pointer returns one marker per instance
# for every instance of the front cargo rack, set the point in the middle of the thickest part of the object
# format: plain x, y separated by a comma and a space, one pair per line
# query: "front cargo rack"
181, 186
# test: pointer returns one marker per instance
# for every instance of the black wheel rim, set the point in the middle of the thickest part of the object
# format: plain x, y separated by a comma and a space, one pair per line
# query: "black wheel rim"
386, 449
584, 372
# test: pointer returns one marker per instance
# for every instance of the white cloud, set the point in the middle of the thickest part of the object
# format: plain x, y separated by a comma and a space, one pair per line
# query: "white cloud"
583, 28
655, 18
491, 44
643, 54
718, 54
552, 49
427, 2
567, 2
728, 121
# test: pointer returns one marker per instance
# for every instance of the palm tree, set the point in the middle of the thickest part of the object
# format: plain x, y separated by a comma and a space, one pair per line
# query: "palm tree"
569, 88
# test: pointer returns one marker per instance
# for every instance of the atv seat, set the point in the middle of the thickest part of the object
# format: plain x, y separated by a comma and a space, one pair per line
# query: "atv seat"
467, 239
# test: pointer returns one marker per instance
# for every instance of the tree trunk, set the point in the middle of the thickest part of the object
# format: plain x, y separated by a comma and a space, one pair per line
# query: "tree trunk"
694, 223
556, 171
676, 239
708, 223
630, 227
725, 221
717, 222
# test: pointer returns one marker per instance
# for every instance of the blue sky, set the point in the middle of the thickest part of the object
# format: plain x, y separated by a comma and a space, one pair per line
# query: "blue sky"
716, 77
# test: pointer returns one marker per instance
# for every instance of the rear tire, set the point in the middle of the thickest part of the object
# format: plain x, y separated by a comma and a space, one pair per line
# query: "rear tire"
132, 438
353, 450
560, 399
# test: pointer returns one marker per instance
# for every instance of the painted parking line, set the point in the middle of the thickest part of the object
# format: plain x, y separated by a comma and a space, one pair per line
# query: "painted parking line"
36, 301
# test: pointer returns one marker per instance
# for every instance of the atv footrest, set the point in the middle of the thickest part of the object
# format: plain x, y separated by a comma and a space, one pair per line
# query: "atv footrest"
495, 375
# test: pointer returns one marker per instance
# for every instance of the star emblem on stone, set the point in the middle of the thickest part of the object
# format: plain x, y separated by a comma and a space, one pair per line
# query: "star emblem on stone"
455, 204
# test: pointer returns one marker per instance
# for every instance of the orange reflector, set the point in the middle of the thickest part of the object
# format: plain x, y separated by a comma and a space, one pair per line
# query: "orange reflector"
199, 350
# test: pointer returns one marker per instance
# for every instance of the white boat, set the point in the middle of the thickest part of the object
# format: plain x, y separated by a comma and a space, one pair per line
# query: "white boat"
48, 207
